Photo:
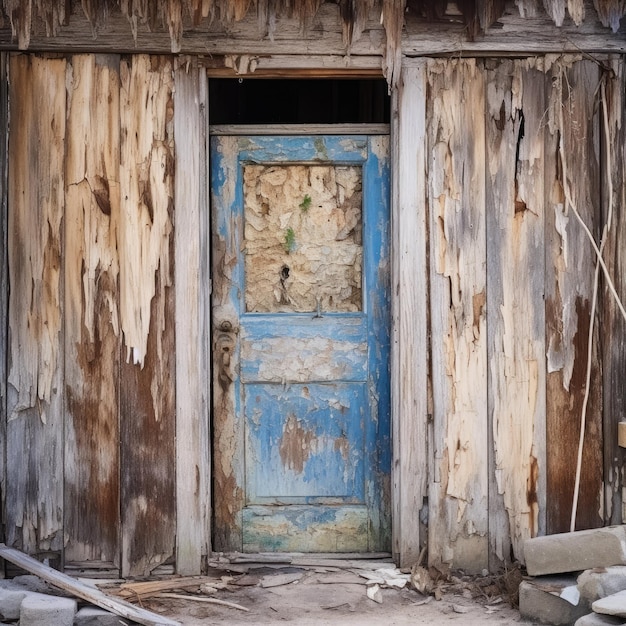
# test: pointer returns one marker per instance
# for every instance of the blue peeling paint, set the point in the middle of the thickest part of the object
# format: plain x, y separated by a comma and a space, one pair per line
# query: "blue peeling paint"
343, 421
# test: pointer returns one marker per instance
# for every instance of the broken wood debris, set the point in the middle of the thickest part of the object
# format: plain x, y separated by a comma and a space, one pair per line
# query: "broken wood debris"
83, 591
180, 596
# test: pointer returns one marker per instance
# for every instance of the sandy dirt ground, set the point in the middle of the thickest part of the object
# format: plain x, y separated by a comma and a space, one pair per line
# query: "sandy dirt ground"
336, 598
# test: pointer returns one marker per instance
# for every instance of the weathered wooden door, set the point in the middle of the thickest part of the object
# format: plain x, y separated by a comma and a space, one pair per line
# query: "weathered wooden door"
301, 343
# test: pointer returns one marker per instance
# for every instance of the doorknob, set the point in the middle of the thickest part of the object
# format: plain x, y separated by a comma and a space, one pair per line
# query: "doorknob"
225, 345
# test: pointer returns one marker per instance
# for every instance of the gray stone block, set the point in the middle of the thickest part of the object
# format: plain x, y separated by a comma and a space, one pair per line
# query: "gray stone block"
571, 552
10, 602
540, 601
593, 619
598, 583
92, 616
611, 605
29, 582
39, 610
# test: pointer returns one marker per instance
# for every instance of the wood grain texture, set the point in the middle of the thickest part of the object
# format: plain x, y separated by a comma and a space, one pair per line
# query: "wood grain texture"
92, 333
35, 400
613, 327
570, 264
4, 275
515, 312
147, 393
458, 497
192, 306
409, 361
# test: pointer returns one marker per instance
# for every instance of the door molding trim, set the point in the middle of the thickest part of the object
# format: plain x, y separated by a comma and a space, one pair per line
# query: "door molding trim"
409, 325
299, 129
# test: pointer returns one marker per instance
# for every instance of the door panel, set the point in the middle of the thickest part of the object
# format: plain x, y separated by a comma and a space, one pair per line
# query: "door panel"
301, 341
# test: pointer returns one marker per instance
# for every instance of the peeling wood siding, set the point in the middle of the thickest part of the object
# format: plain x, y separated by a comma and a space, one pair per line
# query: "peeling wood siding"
4, 279
35, 398
456, 152
146, 179
613, 345
92, 333
193, 472
515, 108
147, 407
569, 282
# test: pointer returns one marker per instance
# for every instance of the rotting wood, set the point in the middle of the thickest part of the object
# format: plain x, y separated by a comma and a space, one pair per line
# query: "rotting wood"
147, 404
409, 340
81, 590
613, 334
191, 281
569, 280
92, 333
458, 495
34, 464
515, 313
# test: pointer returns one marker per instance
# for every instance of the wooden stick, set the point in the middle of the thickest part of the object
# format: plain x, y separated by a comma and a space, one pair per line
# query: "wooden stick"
81, 590
180, 596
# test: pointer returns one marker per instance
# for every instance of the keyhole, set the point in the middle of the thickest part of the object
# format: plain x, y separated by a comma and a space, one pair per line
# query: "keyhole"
284, 272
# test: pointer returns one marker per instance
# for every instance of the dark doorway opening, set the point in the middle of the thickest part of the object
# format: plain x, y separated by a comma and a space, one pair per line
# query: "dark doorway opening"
288, 101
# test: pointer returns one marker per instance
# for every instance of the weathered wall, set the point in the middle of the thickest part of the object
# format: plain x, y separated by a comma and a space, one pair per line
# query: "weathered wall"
90, 440
511, 293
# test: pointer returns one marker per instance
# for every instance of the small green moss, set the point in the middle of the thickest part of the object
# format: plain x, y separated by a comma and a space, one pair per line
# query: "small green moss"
305, 204
290, 240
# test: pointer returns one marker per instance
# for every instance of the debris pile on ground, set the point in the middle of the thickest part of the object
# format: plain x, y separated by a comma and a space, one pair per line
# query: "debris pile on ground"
577, 578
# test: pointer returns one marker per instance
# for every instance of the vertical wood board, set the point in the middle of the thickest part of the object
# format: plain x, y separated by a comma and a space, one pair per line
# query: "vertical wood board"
458, 499
4, 276
191, 283
570, 262
35, 400
515, 312
613, 327
92, 334
409, 314
147, 392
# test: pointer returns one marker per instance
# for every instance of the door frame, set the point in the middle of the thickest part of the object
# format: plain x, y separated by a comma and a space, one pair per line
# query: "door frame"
409, 356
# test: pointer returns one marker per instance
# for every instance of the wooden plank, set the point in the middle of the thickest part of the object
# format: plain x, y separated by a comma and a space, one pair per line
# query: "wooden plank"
147, 403
81, 590
321, 36
4, 272
190, 245
513, 35
92, 337
458, 529
515, 312
299, 129
409, 364
613, 327
34, 496
570, 264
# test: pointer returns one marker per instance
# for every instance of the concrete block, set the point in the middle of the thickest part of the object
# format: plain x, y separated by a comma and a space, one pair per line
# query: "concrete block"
571, 552
594, 619
29, 582
611, 605
92, 616
39, 610
541, 601
10, 602
594, 584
